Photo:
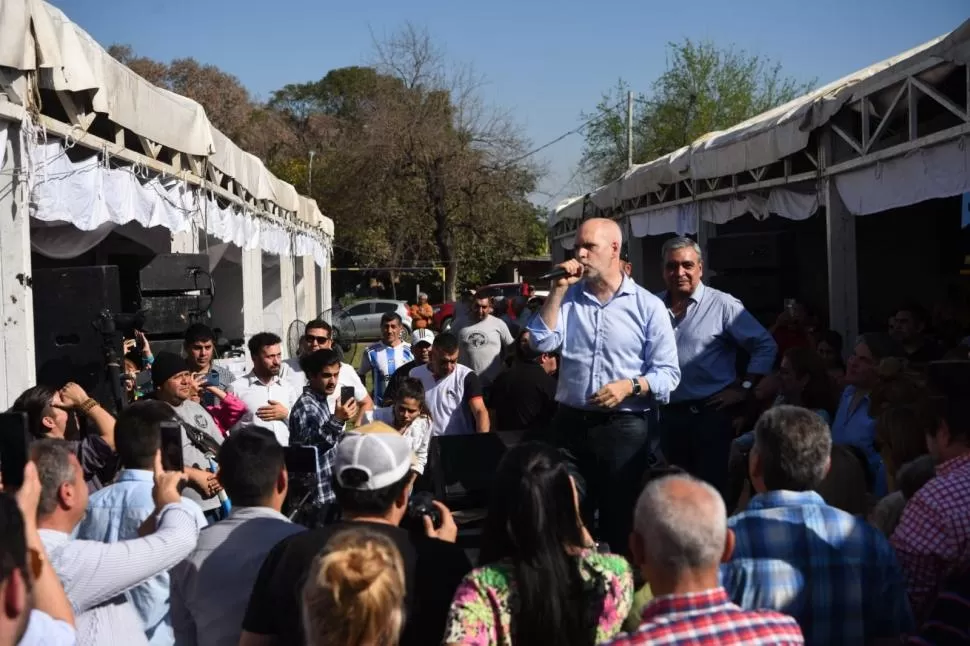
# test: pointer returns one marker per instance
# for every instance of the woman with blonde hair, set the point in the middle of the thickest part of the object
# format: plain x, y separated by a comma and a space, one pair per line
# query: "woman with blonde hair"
355, 593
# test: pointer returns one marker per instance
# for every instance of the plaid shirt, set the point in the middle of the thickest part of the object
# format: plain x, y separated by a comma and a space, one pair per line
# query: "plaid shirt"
833, 572
312, 423
933, 536
708, 618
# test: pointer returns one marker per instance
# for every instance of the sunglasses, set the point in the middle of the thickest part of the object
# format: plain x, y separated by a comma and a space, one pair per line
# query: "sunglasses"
318, 339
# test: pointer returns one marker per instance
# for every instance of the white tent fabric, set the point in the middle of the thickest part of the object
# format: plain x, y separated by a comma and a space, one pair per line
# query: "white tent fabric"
35, 35
89, 196
682, 219
764, 139
924, 174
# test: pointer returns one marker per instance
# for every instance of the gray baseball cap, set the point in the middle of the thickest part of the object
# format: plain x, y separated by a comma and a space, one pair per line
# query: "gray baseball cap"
371, 458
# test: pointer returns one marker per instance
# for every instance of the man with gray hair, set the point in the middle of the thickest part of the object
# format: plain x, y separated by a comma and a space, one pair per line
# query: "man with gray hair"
95, 575
710, 326
834, 573
680, 537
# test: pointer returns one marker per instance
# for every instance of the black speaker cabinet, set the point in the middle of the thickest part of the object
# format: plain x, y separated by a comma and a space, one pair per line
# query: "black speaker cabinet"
462, 466
68, 346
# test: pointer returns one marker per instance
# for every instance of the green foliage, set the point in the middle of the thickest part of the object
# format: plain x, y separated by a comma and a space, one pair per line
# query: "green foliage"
705, 88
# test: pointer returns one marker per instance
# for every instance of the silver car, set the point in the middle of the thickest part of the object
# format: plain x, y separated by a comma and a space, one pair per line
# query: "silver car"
362, 320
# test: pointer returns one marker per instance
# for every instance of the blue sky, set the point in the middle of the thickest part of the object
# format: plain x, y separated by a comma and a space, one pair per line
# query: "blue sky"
544, 61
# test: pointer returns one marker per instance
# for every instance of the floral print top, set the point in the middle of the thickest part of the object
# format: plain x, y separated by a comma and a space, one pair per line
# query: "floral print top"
481, 612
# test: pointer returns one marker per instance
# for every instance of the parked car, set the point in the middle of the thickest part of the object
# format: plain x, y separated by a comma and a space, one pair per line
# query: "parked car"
362, 320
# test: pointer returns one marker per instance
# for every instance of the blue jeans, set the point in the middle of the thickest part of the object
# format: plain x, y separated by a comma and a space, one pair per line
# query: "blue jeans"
611, 452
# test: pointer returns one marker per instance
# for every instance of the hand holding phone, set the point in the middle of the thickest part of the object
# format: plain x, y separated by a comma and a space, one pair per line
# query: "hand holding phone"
171, 446
346, 394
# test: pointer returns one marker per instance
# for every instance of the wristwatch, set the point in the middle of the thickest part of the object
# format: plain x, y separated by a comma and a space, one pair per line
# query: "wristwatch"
746, 385
637, 388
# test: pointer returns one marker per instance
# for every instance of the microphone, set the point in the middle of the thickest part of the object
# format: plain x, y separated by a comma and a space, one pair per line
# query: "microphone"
554, 274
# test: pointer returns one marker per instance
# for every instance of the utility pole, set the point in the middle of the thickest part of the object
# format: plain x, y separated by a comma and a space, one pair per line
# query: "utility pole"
629, 129
309, 175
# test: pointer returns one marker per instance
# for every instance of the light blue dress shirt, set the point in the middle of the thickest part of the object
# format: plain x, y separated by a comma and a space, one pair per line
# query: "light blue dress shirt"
628, 336
114, 514
859, 429
44, 630
708, 336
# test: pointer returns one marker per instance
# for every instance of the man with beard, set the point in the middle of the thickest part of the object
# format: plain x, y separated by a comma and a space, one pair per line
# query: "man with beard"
314, 423
619, 361
267, 391
318, 335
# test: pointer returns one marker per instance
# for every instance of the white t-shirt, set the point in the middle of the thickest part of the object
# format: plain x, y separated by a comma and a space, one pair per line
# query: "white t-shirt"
447, 399
481, 345
346, 377
255, 394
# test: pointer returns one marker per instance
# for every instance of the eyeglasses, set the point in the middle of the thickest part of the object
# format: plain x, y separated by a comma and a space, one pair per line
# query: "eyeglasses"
316, 339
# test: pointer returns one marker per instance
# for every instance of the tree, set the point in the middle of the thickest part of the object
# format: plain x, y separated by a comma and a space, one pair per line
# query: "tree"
704, 88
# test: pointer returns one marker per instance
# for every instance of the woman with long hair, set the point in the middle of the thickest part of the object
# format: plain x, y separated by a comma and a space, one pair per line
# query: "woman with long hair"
541, 580
354, 595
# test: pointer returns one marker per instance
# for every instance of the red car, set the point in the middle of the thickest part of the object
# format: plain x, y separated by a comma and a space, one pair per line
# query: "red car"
503, 293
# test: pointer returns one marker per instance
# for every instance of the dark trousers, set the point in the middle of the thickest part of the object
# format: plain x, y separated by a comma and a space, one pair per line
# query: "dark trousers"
611, 452
697, 438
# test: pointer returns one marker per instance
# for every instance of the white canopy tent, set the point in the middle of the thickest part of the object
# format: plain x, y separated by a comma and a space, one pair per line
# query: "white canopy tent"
87, 148
886, 136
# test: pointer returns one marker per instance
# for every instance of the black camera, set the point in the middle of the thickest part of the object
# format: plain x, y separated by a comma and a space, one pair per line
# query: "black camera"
421, 504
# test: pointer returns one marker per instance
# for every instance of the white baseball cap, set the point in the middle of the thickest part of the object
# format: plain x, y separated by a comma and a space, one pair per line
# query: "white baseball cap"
376, 459
423, 335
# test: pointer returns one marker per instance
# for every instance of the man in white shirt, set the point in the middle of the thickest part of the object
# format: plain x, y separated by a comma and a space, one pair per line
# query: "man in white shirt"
452, 392
96, 574
483, 340
318, 335
267, 390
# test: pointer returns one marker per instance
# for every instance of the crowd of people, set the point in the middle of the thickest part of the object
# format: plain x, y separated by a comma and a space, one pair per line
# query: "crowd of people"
684, 475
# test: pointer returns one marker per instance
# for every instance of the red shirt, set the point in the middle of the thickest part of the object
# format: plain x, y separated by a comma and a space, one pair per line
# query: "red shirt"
709, 618
932, 539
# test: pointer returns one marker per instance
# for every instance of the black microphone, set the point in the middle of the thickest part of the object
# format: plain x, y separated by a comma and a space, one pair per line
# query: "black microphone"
555, 274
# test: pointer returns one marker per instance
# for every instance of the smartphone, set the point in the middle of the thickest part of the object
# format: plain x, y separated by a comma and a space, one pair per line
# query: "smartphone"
301, 459
171, 446
346, 394
14, 439
206, 398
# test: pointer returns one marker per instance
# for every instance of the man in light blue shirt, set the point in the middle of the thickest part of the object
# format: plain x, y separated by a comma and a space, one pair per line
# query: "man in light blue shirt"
710, 326
619, 360
116, 512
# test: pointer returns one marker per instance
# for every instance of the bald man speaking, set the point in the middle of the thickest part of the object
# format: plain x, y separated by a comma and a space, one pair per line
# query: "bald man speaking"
619, 361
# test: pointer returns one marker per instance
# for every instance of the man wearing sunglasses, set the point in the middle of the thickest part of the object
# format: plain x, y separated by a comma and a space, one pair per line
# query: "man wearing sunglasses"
318, 335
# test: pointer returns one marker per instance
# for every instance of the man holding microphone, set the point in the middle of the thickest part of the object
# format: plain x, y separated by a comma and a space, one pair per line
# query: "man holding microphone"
619, 361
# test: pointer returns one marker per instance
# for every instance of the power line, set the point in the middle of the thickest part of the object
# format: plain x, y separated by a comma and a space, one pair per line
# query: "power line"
606, 113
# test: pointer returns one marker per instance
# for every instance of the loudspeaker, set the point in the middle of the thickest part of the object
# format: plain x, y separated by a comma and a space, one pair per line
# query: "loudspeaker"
176, 291
67, 302
461, 467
